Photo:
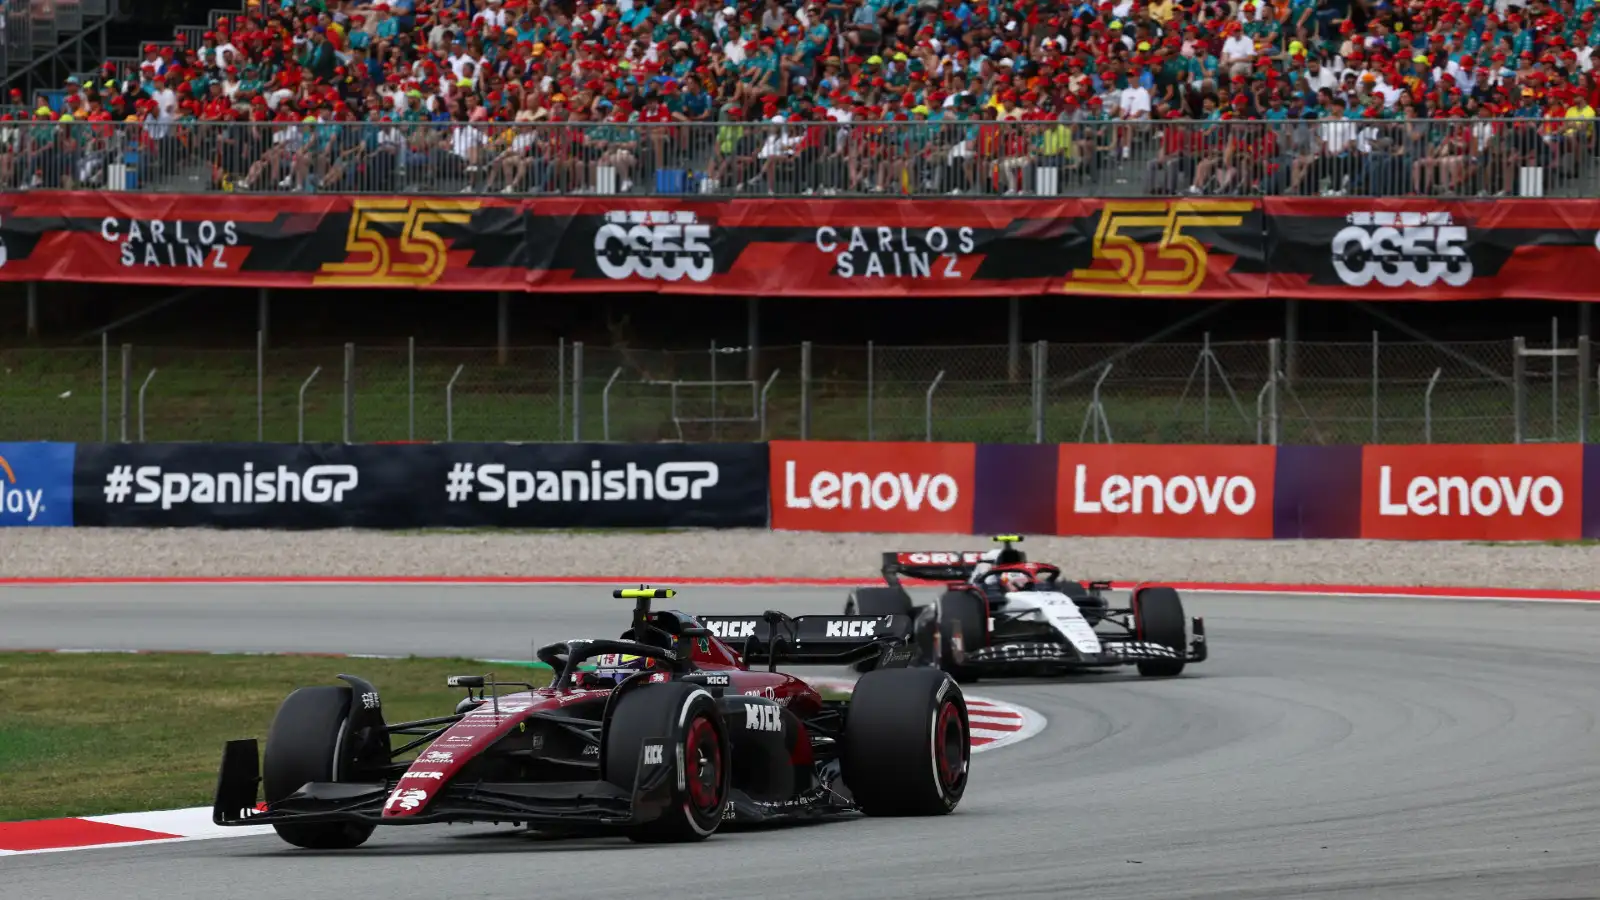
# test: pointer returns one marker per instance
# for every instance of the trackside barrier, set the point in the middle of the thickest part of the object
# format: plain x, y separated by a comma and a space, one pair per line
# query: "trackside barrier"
1422, 492
1192, 247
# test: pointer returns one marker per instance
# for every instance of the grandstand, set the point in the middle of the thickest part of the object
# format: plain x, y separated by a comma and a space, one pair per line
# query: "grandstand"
817, 97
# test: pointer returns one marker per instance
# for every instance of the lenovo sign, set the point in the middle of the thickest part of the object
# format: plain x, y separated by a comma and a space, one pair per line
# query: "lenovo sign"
1160, 491
1472, 492
886, 487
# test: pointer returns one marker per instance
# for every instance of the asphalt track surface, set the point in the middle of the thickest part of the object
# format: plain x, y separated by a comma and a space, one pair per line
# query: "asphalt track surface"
1329, 748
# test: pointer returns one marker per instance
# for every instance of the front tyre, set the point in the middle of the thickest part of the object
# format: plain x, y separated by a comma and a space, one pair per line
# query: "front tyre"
304, 745
907, 743
1158, 619
687, 715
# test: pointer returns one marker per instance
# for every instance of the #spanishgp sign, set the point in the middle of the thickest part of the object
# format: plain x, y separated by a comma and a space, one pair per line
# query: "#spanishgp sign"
604, 485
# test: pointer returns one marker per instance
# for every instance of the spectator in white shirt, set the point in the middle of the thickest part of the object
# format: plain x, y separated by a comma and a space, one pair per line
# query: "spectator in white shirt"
1238, 51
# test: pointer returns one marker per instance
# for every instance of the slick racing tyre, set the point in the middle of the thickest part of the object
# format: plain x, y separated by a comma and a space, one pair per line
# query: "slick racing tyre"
907, 743
303, 745
687, 715
877, 601
1158, 619
963, 628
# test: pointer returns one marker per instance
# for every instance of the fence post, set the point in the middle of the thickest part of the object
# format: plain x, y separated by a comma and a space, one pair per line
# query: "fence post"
1555, 369
1585, 358
1041, 371
1519, 347
411, 388
450, 405
1205, 383
561, 387
577, 391
127, 376
105, 387
927, 411
349, 392
870, 366
605, 406
713, 389
805, 390
1274, 360
764, 389
141, 402
1374, 386
300, 406
261, 384
1427, 407
1013, 339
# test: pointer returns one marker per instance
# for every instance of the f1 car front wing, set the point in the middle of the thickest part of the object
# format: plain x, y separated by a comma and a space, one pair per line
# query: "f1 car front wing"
1113, 652
575, 803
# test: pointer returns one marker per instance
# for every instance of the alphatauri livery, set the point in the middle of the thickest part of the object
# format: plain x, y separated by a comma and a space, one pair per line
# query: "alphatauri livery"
1003, 615
663, 735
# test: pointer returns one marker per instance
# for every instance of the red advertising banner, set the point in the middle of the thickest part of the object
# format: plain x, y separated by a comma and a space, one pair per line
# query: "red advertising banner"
1161, 248
1514, 492
1203, 248
1422, 249
866, 487
1160, 491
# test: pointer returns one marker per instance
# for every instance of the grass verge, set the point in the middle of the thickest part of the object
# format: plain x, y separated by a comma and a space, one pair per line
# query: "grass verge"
97, 733
88, 734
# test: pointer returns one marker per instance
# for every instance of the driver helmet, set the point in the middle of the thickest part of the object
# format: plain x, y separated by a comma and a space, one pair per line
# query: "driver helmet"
616, 667
1014, 581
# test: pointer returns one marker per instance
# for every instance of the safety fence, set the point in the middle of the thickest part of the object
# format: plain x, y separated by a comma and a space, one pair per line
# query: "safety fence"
1415, 492
1213, 392
1072, 155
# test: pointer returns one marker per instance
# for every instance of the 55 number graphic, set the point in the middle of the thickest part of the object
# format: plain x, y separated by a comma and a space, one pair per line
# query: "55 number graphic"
1176, 263
423, 254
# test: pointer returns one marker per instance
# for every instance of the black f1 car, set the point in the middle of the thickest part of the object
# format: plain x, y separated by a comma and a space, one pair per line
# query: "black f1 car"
667, 737
1003, 615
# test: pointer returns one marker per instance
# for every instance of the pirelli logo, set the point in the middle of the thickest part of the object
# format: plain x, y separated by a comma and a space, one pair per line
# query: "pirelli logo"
1126, 262
392, 242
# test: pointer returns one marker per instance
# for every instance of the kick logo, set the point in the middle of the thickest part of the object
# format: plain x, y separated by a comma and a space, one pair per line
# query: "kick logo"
728, 630
854, 629
763, 718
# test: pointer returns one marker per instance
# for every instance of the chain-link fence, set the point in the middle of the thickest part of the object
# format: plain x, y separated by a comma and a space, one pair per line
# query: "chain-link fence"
1227, 392
1072, 155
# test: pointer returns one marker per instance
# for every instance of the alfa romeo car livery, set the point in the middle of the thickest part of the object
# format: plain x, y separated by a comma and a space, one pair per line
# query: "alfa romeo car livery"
670, 735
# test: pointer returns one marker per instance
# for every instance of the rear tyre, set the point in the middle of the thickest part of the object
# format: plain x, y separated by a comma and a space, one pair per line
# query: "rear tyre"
877, 601
303, 745
907, 743
963, 628
687, 716
1158, 617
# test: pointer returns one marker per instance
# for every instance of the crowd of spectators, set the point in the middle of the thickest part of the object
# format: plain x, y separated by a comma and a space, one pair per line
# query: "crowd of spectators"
826, 96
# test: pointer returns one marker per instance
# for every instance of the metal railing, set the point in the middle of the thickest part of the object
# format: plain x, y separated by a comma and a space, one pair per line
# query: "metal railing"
1371, 157
1206, 392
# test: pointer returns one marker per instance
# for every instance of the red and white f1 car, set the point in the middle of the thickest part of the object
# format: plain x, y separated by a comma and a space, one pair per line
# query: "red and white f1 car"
1003, 615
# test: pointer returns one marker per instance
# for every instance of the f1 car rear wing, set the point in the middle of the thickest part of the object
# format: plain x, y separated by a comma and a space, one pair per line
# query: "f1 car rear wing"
930, 565
944, 565
773, 637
